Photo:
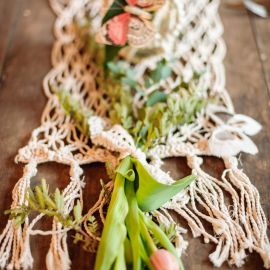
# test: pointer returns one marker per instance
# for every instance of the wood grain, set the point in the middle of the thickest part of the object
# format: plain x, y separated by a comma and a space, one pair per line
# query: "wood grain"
9, 13
27, 60
25, 47
261, 28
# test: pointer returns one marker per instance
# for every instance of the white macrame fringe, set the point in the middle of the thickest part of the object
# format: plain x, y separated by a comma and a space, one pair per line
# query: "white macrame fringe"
249, 212
58, 256
15, 251
14, 241
237, 228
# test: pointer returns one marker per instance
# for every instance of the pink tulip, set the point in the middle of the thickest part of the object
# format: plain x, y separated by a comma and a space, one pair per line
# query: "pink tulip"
162, 259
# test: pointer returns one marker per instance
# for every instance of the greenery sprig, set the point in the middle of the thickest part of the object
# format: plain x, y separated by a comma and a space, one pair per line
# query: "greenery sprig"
39, 200
75, 110
161, 112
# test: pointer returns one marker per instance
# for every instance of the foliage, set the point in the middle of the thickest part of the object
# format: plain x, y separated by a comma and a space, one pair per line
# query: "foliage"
39, 200
161, 112
152, 194
75, 110
111, 245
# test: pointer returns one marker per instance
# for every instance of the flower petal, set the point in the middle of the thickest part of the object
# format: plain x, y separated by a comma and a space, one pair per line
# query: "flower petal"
118, 29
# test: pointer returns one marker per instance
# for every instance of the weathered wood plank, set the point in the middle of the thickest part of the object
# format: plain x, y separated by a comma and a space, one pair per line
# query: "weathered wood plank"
27, 60
9, 11
246, 84
261, 28
248, 89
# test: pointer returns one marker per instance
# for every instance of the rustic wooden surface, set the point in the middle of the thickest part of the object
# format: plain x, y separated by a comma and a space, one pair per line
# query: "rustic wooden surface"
25, 45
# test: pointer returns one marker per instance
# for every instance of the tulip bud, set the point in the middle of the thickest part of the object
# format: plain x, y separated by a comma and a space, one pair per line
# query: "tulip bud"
162, 259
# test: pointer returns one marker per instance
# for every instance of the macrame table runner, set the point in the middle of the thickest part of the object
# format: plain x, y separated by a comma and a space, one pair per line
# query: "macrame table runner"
192, 36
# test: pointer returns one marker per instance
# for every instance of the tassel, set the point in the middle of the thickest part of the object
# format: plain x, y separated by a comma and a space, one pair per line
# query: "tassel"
249, 212
26, 259
58, 257
237, 228
12, 239
207, 193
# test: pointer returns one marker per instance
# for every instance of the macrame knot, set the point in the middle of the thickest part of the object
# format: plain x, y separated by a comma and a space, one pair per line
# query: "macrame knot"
194, 162
75, 169
31, 168
231, 162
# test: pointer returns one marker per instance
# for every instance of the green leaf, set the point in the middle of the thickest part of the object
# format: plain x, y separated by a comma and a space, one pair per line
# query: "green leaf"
129, 82
49, 202
115, 9
77, 211
151, 194
111, 52
128, 251
129, 174
150, 246
156, 97
144, 255
115, 68
73, 108
120, 262
92, 224
57, 198
39, 195
162, 72
44, 186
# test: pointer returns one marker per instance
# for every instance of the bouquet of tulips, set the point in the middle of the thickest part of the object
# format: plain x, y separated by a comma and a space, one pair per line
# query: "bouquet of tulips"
127, 237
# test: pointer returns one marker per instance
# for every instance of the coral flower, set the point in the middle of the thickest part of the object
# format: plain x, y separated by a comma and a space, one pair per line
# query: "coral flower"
132, 2
162, 259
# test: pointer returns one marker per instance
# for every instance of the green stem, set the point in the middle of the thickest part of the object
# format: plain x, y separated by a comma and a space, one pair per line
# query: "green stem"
144, 255
133, 225
161, 237
147, 237
114, 231
120, 260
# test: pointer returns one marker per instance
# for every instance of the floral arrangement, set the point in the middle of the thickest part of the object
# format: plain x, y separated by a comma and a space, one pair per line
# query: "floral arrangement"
130, 238
113, 106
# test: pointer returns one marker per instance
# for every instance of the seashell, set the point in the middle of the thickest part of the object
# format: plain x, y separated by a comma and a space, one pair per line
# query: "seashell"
248, 125
229, 141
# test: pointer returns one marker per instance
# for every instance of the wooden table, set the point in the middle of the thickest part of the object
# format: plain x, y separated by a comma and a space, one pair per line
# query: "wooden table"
25, 46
